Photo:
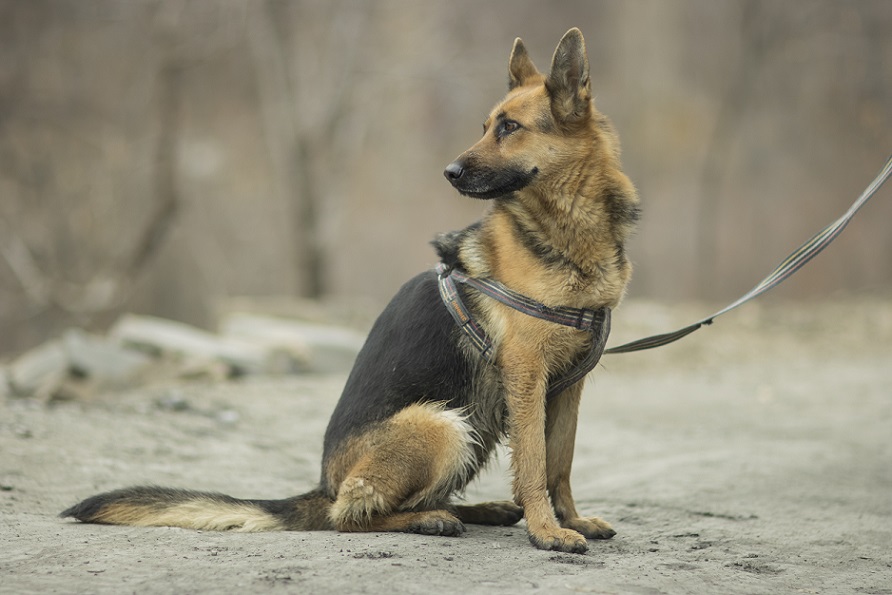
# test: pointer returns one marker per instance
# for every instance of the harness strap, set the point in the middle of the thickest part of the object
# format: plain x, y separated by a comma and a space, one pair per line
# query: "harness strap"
578, 318
600, 331
596, 322
461, 315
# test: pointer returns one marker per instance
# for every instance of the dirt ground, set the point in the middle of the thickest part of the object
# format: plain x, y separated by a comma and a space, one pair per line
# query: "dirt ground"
753, 457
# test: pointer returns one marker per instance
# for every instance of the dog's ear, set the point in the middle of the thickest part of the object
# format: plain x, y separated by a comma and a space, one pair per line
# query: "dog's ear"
520, 68
568, 84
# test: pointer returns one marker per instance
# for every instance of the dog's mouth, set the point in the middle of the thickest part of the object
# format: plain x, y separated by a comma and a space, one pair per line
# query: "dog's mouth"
487, 183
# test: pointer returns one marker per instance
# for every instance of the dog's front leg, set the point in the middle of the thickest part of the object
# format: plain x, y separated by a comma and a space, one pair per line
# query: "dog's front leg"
525, 382
562, 412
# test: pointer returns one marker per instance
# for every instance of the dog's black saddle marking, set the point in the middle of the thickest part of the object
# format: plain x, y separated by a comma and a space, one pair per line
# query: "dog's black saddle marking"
596, 322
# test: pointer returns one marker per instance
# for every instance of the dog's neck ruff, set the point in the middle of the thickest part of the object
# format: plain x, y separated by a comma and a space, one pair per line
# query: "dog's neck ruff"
596, 322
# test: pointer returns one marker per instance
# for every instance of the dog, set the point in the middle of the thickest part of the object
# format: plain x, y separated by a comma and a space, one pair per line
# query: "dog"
423, 409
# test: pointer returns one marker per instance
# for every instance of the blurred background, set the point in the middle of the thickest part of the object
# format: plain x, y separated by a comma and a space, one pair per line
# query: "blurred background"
157, 156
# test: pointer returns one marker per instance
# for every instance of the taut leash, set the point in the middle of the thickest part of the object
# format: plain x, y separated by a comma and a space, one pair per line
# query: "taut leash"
784, 270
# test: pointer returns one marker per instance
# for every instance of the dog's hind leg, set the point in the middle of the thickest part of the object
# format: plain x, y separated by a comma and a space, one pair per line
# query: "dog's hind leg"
502, 513
402, 473
560, 435
426, 522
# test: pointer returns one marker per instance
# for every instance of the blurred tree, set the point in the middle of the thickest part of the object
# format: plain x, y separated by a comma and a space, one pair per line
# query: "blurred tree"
304, 55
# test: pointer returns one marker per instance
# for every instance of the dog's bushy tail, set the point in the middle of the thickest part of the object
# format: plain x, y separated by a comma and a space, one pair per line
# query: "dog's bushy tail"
150, 506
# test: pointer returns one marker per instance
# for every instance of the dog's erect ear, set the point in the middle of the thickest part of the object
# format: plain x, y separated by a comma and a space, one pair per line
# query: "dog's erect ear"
568, 83
520, 67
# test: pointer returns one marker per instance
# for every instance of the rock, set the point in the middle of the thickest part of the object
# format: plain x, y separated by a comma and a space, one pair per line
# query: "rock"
316, 347
73, 367
104, 361
145, 349
164, 337
38, 372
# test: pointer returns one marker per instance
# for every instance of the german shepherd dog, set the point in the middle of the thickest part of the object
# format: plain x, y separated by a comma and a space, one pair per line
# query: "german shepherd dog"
422, 411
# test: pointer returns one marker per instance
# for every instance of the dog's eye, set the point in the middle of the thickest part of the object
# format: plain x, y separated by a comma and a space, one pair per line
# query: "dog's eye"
507, 127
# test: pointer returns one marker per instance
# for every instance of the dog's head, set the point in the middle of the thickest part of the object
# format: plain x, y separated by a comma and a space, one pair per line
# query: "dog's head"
542, 128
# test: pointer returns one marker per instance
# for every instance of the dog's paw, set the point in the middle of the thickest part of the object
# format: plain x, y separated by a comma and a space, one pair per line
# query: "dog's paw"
437, 523
592, 527
561, 540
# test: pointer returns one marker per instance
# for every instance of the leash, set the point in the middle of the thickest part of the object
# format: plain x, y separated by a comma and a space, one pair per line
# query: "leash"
781, 273
596, 322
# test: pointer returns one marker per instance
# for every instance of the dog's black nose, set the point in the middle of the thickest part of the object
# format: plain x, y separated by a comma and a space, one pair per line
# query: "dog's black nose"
454, 171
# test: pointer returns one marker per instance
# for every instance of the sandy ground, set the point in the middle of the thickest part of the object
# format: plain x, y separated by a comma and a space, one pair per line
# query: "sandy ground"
754, 457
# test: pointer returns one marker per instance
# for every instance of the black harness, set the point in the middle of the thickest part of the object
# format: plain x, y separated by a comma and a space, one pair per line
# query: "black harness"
595, 322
